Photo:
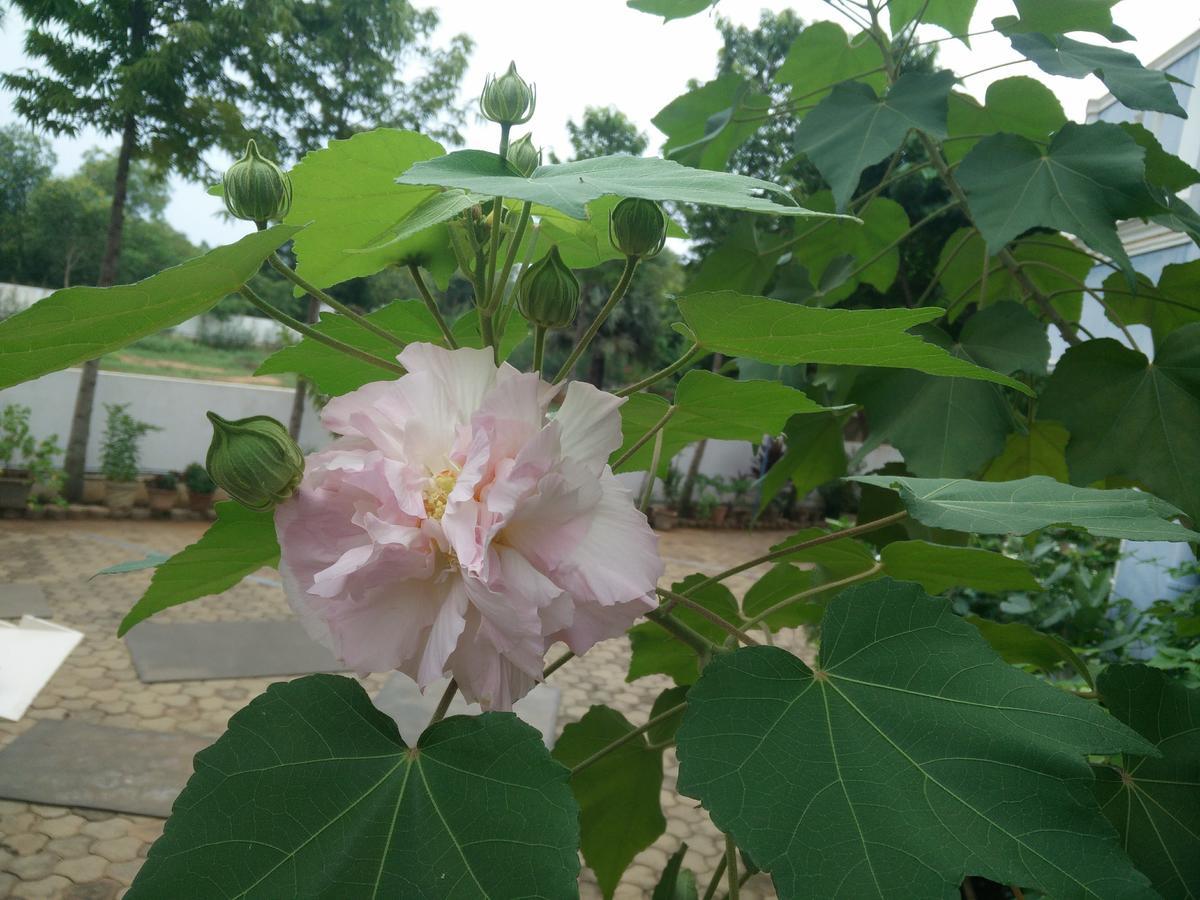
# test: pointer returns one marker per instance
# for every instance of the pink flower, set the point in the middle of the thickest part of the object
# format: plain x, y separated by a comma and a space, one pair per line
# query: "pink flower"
456, 527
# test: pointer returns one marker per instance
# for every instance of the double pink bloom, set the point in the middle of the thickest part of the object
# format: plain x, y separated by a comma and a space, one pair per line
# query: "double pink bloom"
456, 527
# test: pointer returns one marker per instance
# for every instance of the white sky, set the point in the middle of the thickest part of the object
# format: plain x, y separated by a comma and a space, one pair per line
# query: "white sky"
599, 52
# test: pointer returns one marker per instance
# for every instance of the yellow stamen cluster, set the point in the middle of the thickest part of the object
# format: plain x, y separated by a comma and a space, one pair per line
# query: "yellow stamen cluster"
438, 493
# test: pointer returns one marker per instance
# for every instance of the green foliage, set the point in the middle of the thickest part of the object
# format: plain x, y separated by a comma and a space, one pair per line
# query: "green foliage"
197, 479
477, 801
656, 652
120, 448
21, 453
671, 9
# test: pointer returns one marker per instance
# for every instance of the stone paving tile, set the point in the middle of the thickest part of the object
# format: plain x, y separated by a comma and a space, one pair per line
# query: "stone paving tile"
48, 851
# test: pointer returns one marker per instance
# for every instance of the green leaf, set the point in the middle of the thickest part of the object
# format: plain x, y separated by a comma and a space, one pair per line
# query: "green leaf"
1088, 177
815, 455
1164, 170
1020, 645
671, 9
150, 561
1061, 17
239, 543
952, 426
773, 331
619, 811
874, 244
953, 15
334, 372
1040, 451
708, 405
853, 128
914, 738
582, 243
1155, 803
655, 652
876, 502
739, 262
1019, 105
676, 883
1165, 307
82, 323
782, 582
466, 332
1130, 418
348, 192
708, 123
938, 568
569, 187
822, 56
312, 792
833, 560
1029, 504
664, 731
1128, 80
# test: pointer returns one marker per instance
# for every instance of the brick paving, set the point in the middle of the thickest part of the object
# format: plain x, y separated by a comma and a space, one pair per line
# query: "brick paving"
58, 852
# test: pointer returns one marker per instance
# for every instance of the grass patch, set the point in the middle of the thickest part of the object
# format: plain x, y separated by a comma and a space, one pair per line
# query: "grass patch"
165, 354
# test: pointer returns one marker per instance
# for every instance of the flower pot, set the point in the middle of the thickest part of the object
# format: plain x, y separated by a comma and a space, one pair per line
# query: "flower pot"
162, 499
198, 502
121, 494
95, 487
718, 514
14, 492
663, 518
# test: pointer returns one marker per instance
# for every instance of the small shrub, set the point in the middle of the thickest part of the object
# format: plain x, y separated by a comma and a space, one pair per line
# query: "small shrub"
122, 438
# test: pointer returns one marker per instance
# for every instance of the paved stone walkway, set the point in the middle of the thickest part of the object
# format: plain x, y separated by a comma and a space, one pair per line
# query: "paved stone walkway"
60, 852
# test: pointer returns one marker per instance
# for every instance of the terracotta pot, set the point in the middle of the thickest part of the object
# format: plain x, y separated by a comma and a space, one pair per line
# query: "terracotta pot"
162, 499
198, 502
720, 511
662, 518
14, 492
121, 494
94, 489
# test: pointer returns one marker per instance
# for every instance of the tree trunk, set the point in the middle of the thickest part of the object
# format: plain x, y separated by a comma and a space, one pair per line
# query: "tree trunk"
298, 398
596, 368
81, 421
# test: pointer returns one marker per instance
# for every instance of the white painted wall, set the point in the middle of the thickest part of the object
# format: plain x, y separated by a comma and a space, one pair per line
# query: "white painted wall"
177, 405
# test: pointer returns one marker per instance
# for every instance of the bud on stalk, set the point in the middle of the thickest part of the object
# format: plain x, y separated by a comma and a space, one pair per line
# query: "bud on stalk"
255, 460
256, 189
523, 156
508, 100
638, 228
548, 292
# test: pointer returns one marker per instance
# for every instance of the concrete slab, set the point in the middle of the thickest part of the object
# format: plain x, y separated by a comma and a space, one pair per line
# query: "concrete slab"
202, 651
401, 699
18, 600
70, 763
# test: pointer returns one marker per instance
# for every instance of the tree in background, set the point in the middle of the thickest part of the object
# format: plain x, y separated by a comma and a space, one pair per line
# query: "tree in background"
175, 79
28, 161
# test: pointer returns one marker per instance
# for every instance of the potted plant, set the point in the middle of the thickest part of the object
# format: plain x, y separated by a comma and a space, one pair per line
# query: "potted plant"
740, 489
163, 491
720, 509
119, 455
24, 461
664, 516
706, 505
200, 487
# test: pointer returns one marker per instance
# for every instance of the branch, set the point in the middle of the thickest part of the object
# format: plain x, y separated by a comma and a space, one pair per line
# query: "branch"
812, 592
631, 263
705, 612
692, 353
626, 738
641, 442
431, 304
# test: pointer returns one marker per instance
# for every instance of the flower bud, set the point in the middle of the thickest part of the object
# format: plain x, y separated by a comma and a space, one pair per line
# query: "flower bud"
256, 188
508, 100
638, 227
548, 292
523, 156
255, 460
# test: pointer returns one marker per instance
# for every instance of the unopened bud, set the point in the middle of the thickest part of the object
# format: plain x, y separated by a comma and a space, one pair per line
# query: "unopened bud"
256, 189
523, 156
255, 460
508, 100
638, 227
548, 292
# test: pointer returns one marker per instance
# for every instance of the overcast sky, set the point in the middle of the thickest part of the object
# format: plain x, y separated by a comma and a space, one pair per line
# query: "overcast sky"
598, 52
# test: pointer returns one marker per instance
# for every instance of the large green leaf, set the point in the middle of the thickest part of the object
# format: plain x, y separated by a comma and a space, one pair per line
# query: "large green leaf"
313, 793
1063, 16
831, 252
1128, 80
815, 455
705, 125
655, 652
82, 323
740, 262
953, 15
822, 56
1019, 105
1171, 304
708, 405
1088, 177
671, 9
783, 582
619, 811
348, 192
1029, 504
954, 426
569, 187
676, 883
1163, 169
902, 753
582, 243
1042, 450
773, 331
854, 128
1132, 418
1155, 803
1020, 645
241, 541
938, 568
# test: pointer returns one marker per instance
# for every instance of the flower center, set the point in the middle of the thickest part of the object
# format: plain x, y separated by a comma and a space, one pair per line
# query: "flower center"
438, 492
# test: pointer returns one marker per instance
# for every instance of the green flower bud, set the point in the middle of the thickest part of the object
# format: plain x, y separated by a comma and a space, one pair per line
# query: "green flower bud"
255, 460
638, 227
509, 99
548, 292
256, 188
523, 156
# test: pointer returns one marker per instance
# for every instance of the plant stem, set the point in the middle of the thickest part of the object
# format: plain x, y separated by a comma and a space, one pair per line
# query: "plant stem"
819, 589
731, 864
539, 347
511, 257
431, 304
694, 639
705, 612
690, 356
444, 703
716, 878
322, 338
652, 473
626, 738
557, 664
1085, 288
631, 263
941, 270
291, 275
641, 442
